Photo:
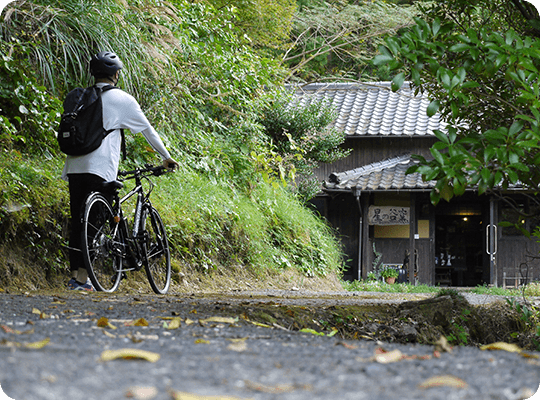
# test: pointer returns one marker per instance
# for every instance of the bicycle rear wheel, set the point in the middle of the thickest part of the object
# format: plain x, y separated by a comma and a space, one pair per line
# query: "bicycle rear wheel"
158, 266
102, 244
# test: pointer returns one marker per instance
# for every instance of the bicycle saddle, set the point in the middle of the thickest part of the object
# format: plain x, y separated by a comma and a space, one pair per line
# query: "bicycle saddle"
112, 186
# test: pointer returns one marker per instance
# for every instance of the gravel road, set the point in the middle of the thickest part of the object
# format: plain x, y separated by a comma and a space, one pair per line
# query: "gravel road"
51, 347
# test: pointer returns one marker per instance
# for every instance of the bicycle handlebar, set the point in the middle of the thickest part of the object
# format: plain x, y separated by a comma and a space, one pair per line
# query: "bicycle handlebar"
148, 168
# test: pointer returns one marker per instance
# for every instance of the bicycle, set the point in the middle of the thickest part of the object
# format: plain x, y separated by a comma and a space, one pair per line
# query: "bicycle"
110, 248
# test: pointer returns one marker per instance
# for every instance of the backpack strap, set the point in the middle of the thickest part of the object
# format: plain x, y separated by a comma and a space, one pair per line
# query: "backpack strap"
104, 89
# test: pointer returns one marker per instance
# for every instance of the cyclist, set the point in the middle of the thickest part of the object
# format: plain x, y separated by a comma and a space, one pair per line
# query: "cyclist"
86, 173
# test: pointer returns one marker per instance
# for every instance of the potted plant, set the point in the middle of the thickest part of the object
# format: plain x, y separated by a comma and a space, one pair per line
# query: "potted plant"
390, 275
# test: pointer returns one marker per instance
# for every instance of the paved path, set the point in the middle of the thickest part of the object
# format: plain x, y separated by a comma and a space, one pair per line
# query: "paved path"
229, 358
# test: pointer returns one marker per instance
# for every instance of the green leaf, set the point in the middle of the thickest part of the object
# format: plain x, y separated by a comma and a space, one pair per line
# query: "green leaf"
459, 47
382, 59
437, 155
446, 192
435, 28
433, 108
441, 136
398, 81
486, 174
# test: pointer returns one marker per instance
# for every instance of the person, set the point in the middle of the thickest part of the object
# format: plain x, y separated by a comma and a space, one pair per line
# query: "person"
86, 173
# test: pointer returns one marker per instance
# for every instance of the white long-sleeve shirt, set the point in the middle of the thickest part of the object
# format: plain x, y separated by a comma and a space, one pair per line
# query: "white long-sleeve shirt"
120, 111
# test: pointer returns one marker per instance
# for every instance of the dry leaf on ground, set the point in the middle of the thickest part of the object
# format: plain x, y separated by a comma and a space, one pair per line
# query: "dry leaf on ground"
512, 348
37, 345
104, 323
443, 380
141, 392
219, 320
128, 354
175, 323
259, 387
389, 357
442, 345
191, 396
238, 346
140, 322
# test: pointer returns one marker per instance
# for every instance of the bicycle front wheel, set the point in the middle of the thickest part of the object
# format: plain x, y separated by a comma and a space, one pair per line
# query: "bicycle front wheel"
158, 266
102, 244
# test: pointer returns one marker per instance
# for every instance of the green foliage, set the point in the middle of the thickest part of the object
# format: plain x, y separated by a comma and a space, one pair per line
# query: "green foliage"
199, 81
459, 334
33, 207
389, 272
302, 137
484, 83
265, 229
337, 39
267, 23
30, 115
372, 285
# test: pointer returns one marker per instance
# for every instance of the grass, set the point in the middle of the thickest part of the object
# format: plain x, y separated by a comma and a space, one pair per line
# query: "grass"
532, 289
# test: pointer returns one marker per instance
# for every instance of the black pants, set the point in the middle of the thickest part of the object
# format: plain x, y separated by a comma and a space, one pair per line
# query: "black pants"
80, 186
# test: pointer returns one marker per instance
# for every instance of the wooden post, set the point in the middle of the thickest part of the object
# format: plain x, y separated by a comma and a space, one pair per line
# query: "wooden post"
365, 234
412, 232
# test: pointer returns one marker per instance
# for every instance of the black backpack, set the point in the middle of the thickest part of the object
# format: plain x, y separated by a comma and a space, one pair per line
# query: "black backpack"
81, 128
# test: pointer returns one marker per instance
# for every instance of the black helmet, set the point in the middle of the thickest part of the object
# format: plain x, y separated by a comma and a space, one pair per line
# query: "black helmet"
105, 64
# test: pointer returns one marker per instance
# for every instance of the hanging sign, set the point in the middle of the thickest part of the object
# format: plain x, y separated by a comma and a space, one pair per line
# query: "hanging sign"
388, 215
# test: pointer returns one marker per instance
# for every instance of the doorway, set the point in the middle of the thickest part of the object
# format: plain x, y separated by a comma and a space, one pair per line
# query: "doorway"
459, 249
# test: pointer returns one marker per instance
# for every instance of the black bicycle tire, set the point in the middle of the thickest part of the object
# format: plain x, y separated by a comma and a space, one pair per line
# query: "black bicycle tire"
155, 279
105, 277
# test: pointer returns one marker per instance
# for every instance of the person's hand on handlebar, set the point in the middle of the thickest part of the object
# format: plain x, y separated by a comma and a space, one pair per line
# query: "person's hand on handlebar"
170, 164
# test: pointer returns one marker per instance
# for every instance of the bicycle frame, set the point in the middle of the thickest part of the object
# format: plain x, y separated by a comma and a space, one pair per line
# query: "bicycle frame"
134, 238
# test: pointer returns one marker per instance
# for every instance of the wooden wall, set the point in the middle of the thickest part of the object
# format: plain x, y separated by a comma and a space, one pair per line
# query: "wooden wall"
366, 150
393, 252
511, 253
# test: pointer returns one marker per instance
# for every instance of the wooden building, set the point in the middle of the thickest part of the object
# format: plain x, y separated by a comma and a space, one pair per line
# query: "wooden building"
377, 209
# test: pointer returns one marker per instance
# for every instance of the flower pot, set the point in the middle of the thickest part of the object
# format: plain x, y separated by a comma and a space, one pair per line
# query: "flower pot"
390, 280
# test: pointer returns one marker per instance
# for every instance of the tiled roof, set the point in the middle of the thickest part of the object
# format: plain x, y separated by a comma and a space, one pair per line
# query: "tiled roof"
372, 109
383, 175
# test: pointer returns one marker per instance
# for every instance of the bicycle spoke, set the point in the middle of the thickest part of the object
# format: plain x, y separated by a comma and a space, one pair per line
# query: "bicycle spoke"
102, 244
158, 268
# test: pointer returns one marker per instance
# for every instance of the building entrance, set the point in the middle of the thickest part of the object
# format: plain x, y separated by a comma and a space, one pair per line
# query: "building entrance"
459, 250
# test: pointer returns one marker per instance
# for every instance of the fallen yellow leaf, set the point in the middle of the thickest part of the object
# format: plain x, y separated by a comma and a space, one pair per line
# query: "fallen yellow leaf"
141, 322
128, 354
443, 345
174, 324
142, 392
238, 346
512, 348
260, 324
109, 334
104, 323
189, 321
528, 355
389, 357
190, 396
443, 380
220, 320
38, 345
202, 341
312, 331
259, 387
36, 311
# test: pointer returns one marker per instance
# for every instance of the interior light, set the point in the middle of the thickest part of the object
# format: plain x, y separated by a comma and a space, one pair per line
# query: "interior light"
465, 219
